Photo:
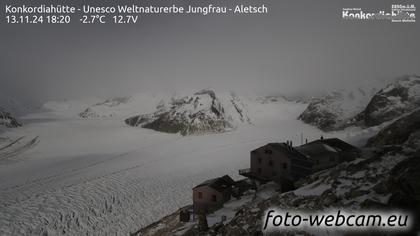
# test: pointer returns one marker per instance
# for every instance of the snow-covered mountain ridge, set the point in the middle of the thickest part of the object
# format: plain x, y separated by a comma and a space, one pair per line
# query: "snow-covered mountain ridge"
336, 109
394, 100
364, 106
200, 113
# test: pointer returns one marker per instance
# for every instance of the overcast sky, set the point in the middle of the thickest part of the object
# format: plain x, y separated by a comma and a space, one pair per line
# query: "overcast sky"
301, 45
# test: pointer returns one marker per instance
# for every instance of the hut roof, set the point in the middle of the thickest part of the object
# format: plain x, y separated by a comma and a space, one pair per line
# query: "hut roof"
219, 184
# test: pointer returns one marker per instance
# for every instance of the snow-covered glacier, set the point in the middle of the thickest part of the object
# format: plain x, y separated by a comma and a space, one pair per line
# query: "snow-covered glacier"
99, 176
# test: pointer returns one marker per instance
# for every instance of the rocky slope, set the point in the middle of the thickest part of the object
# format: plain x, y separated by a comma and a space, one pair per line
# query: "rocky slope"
337, 109
202, 112
394, 100
364, 106
405, 130
384, 181
8, 120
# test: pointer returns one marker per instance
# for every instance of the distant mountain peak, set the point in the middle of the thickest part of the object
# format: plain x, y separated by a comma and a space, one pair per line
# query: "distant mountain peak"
202, 112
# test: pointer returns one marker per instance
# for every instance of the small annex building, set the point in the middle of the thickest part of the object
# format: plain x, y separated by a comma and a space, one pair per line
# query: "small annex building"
212, 194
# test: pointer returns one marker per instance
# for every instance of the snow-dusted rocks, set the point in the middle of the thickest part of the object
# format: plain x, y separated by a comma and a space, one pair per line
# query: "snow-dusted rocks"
337, 109
403, 130
10, 109
367, 106
394, 100
8, 120
376, 182
203, 112
103, 109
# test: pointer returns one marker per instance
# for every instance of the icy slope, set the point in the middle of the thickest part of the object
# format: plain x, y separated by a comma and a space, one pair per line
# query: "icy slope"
203, 112
12, 147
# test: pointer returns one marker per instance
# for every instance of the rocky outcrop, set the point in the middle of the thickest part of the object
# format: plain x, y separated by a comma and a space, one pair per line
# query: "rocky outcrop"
201, 113
335, 110
8, 120
394, 100
405, 130
321, 113
404, 184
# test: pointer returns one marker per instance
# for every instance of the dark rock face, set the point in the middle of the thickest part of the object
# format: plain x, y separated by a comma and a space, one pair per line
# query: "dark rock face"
318, 114
7, 120
396, 99
203, 112
405, 129
404, 185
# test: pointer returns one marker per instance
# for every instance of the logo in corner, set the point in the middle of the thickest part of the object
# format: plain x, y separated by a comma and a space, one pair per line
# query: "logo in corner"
397, 13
